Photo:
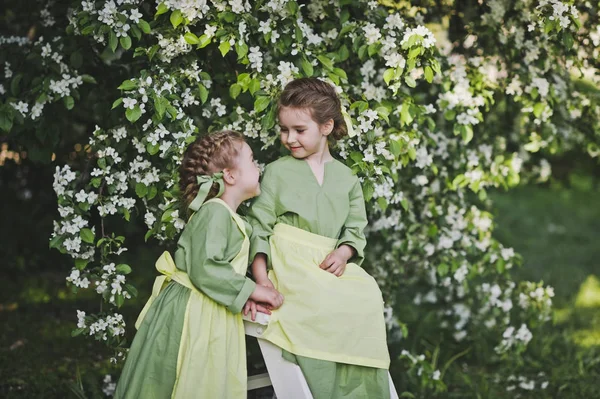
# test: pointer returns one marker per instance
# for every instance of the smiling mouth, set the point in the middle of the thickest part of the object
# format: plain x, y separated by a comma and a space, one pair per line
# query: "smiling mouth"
295, 148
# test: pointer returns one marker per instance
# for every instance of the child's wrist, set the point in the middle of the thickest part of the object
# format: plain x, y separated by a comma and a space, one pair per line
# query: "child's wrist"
346, 251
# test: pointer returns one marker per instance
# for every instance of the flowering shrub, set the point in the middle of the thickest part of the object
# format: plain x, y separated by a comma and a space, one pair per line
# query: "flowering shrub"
442, 110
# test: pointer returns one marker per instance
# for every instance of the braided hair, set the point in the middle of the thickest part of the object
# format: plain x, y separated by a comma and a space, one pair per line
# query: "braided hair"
318, 96
209, 154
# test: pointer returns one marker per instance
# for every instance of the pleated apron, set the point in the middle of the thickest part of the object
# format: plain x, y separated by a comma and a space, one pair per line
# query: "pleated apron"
212, 353
339, 319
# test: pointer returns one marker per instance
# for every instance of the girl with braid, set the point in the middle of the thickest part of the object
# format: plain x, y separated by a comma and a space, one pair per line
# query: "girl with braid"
190, 341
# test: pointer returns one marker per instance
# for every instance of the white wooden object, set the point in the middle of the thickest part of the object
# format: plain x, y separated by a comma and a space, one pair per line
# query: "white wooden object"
286, 377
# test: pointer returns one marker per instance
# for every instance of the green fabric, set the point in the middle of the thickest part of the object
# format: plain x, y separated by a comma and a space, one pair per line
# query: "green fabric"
328, 380
205, 183
290, 194
151, 365
208, 243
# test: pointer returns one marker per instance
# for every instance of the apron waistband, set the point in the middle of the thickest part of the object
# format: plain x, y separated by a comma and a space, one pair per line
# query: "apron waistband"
166, 266
304, 237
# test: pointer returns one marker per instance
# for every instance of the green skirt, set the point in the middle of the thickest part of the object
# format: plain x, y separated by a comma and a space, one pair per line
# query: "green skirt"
150, 370
330, 380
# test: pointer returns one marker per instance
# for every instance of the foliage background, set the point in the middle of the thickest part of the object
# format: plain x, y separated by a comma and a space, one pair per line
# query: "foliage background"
504, 95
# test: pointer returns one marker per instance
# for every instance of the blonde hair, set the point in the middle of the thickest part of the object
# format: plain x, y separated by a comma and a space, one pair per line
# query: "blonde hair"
209, 154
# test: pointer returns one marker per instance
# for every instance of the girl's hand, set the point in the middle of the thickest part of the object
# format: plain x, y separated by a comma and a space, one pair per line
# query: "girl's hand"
335, 262
254, 307
269, 296
265, 282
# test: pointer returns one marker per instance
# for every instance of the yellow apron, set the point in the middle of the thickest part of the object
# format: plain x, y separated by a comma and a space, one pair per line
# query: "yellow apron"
212, 352
339, 319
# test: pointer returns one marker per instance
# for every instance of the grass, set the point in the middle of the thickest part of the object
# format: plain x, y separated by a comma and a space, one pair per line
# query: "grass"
557, 231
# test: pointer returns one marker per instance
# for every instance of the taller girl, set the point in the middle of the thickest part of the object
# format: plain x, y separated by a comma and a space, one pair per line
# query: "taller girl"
308, 224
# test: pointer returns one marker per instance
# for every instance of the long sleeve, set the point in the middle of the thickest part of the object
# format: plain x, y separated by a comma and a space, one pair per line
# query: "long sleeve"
210, 241
352, 233
262, 217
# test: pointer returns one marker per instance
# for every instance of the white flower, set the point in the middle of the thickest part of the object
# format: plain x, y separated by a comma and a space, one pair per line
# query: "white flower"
129, 103
22, 107
80, 319
372, 33
436, 375
135, 16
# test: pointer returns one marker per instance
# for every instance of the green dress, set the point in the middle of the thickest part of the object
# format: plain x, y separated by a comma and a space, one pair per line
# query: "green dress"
206, 295
291, 194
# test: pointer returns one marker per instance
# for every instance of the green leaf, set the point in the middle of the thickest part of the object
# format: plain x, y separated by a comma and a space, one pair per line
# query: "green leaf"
362, 52
119, 300
373, 49
160, 105
268, 121
568, 40
343, 53
176, 18
123, 268
405, 116
235, 90
382, 203
241, 50
128, 85
152, 149
77, 332
368, 190
203, 93
80, 264
224, 47
384, 113
88, 79
112, 41
161, 9
410, 81
191, 38
87, 235
292, 7
152, 52
254, 86
341, 73
141, 189
538, 109
144, 26
395, 147
467, 133
69, 102
203, 41
133, 114
404, 204
152, 191
56, 241
443, 269
429, 74
306, 67
327, 63
261, 103
125, 42
414, 52
14, 84
388, 75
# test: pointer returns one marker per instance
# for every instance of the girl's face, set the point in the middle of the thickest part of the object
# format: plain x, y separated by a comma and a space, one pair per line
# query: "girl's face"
301, 134
246, 173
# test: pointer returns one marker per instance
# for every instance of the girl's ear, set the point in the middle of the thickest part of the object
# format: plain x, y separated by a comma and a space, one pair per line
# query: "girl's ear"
327, 127
228, 176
